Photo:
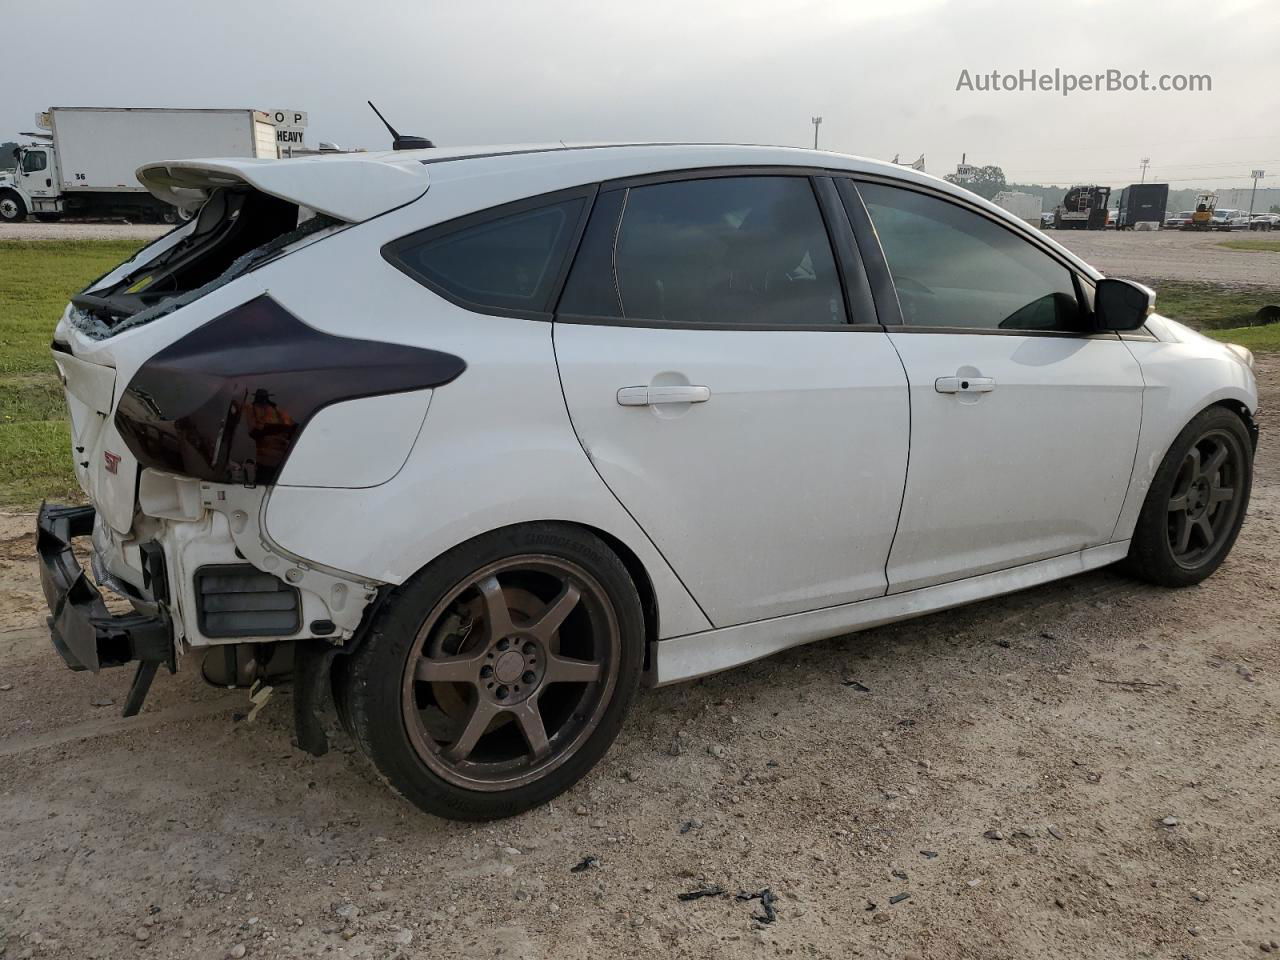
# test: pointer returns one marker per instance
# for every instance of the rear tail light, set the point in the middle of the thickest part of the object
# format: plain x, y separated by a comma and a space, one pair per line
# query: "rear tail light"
226, 402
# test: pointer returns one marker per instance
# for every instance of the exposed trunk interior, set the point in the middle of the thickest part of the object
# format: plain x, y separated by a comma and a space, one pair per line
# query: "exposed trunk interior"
235, 229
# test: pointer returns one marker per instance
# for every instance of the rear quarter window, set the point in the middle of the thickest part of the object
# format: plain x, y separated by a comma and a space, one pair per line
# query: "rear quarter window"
507, 260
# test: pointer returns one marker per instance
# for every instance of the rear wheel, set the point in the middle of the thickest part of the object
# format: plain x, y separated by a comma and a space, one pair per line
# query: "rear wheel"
12, 207
1196, 502
497, 677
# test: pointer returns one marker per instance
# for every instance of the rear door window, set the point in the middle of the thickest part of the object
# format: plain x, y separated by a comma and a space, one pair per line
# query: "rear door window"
508, 259
736, 251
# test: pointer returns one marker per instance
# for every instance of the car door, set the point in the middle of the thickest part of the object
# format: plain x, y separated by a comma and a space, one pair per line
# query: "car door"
716, 381
1024, 425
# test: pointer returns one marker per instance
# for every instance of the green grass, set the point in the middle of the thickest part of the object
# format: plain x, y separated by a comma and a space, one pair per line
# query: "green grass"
1264, 244
1212, 306
1257, 339
36, 280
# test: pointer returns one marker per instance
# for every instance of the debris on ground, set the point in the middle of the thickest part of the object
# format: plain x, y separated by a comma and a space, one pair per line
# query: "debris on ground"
899, 897
690, 825
993, 835
711, 890
586, 863
767, 900
259, 694
853, 684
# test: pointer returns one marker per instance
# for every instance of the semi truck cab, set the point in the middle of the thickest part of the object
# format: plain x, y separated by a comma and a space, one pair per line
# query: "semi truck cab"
32, 186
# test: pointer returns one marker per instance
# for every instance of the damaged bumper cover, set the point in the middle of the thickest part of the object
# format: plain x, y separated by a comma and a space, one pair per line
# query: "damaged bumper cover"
85, 633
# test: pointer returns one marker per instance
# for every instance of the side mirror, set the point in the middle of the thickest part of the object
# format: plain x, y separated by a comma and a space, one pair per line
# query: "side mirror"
1122, 304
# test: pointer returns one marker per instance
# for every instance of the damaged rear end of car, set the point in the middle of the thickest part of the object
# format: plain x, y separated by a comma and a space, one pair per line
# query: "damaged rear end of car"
188, 386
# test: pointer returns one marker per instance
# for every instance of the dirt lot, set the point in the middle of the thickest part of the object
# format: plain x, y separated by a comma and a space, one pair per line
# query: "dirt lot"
1088, 769
1173, 255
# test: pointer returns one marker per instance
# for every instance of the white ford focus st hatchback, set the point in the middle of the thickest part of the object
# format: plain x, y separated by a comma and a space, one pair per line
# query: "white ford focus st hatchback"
479, 441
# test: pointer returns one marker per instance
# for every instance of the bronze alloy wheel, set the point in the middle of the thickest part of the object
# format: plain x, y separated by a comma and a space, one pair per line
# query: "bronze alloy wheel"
1206, 498
511, 672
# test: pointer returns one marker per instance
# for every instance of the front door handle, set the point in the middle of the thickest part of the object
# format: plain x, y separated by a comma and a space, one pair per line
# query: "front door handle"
964, 384
654, 395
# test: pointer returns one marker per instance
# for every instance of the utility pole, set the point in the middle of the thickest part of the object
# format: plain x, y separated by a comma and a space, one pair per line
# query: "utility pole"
1145, 162
1257, 175
817, 122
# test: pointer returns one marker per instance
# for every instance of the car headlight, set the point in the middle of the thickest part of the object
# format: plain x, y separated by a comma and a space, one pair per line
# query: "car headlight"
1244, 353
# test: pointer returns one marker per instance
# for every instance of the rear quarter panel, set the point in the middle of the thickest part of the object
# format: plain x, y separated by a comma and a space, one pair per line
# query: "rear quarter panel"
496, 447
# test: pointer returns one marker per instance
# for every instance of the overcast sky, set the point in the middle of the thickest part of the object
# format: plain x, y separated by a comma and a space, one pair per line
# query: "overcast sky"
882, 75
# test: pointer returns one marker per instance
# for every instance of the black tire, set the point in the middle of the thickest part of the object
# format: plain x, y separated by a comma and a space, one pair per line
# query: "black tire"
1153, 552
13, 209
381, 691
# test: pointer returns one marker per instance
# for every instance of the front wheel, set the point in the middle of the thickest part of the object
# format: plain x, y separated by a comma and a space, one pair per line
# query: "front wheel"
1196, 502
499, 675
12, 207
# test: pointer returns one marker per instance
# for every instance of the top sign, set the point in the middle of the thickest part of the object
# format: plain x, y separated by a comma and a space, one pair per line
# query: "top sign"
295, 119
1258, 174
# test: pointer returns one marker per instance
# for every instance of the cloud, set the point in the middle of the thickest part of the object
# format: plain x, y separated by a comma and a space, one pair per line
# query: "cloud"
882, 76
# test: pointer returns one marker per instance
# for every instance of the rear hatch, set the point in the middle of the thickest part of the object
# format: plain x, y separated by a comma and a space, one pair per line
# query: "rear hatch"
248, 213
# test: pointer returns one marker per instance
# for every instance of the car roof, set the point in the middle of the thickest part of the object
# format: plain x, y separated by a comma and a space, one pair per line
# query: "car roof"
357, 186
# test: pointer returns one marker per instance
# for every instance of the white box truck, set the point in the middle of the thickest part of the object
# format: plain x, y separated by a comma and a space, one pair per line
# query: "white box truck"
84, 165
1024, 205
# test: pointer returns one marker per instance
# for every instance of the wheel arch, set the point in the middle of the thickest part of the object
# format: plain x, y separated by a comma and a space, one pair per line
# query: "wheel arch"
1151, 453
1241, 410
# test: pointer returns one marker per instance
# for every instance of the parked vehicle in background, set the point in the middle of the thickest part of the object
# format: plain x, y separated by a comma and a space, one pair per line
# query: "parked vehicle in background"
1226, 220
1202, 215
1179, 221
1025, 206
1142, 203
85, 165
1264, 221
1084, 207
482, 458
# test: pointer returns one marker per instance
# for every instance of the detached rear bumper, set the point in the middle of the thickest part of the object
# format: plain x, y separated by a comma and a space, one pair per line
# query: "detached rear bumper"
84, 632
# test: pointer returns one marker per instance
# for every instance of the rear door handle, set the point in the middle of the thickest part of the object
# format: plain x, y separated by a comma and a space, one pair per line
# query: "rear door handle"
964, 384
652, 396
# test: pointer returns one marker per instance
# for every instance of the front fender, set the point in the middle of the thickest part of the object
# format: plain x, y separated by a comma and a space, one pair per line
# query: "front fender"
1181, 379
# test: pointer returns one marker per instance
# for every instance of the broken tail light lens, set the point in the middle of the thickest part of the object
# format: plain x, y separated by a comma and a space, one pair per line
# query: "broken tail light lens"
226, 402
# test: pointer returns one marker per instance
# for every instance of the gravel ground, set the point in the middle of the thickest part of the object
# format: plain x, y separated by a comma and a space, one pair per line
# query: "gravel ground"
34, 230
1173, 255
1085, 769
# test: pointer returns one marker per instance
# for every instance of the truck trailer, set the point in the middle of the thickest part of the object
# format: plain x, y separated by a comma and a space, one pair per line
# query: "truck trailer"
1026, 206
1143, 203
1083, 208
84, 166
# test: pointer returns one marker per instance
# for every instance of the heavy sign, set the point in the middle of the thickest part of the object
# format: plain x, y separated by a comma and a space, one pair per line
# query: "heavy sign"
290, 125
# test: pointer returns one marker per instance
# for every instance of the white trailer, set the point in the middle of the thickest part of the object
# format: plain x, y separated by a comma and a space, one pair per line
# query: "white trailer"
1026, 206
85, 165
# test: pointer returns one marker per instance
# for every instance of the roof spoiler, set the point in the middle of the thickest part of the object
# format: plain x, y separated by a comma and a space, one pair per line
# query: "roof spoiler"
351, 187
